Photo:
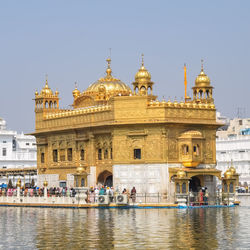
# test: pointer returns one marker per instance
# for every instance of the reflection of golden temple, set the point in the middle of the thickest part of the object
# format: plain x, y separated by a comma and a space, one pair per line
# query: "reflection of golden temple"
131, 134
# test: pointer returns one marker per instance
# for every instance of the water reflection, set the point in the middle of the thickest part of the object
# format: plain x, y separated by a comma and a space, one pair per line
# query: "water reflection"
211, 228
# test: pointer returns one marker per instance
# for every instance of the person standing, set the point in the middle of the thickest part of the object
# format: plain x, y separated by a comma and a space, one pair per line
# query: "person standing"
206, 195
201, 197
133, 194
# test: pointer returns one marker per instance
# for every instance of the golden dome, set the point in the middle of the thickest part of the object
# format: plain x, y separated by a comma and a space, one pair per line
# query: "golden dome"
232, 170
202, 80
45, 183
46, 90
142, 74
76, 92
56, 93
228, 174
80, 170
109, 85
36, 93
181, 174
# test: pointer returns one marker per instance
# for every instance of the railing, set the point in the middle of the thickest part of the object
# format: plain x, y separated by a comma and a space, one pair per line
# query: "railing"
91, 196
72, 196
200, 199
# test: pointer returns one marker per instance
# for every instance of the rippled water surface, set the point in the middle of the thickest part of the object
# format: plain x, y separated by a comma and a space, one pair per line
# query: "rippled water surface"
47, 228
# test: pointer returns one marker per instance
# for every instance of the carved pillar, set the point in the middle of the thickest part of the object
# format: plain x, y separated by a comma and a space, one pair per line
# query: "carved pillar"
91, 150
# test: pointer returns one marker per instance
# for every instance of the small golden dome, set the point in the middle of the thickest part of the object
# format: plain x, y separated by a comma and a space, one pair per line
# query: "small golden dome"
56, 93
232, 170
142, 74
202, 80
228, 174
80, 170
181, 174
46, 90
36, 93
45, 183
76, 92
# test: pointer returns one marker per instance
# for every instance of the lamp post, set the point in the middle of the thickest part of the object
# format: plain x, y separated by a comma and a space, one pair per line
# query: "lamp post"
45, 184
18, 187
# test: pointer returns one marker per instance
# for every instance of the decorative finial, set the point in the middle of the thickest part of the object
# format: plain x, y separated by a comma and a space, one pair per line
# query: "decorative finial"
46, 77
109, 71
202, 64
75, 84
142, 59
109, 52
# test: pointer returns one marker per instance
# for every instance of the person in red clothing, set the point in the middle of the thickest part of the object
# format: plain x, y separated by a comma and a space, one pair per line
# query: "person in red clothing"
201, 197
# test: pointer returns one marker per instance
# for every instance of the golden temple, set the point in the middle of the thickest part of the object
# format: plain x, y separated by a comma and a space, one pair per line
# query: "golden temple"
117, 136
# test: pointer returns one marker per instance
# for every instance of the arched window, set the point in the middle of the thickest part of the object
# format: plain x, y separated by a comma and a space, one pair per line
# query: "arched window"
149, 90
70, 154
42, 157
143, 90
50, 104
208, 94
82, 154
200, 94
231, 187
197, 149
55, 104
46, 104
195, 94
184, 189
105, 154
185, 149
82, 182
136, 89
111, 153
177, 188
225, 188
99, 154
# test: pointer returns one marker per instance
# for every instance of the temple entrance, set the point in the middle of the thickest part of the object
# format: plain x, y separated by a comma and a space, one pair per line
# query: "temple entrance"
194, 184
105, 178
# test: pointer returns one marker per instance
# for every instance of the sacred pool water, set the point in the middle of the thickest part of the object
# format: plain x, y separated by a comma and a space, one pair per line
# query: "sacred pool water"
47, 228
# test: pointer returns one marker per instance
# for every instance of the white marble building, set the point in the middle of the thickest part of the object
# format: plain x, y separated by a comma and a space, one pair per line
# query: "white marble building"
17, 153
233, 144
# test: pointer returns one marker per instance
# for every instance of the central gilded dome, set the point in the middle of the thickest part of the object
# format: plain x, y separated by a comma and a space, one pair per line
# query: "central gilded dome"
108, 86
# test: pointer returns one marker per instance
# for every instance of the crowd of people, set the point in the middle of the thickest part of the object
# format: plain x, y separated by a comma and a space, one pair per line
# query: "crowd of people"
200, 198
92, 193
36, 191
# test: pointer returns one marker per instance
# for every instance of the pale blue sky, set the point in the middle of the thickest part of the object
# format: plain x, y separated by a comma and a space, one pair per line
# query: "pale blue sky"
70, 40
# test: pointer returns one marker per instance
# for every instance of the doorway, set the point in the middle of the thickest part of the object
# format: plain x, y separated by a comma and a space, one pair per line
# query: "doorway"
194, 184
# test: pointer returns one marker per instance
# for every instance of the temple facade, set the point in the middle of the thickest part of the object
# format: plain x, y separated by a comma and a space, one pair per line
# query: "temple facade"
124, 137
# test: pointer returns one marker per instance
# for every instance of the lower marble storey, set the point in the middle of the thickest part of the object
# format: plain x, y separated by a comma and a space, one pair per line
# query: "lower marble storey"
146, 178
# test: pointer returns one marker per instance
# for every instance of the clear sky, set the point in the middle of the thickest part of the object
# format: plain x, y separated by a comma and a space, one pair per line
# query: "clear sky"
70, 41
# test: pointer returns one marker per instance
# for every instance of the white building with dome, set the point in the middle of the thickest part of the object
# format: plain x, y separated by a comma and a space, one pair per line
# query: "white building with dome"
17, 156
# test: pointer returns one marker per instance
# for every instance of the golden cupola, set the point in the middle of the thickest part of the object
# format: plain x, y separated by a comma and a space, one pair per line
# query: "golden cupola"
76, 92
46, 91
202, 91
102, 90
142, 81
46, 99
